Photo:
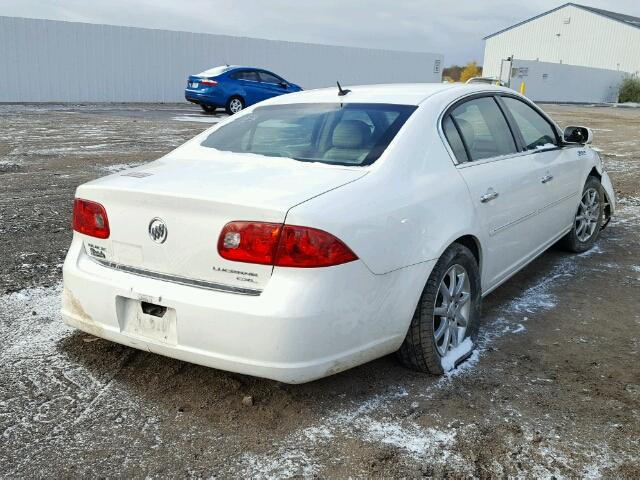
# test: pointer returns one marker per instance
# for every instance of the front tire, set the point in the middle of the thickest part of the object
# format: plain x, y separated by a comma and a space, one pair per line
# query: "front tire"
448, 311
587, 223
234, 105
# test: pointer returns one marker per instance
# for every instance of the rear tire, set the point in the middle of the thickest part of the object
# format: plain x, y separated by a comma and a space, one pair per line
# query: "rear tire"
436, 318
588, 220
209, 109
234, 105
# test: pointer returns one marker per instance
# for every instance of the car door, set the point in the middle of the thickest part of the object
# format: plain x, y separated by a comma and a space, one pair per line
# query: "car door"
271, 85
249, 81
501, 180
560, 167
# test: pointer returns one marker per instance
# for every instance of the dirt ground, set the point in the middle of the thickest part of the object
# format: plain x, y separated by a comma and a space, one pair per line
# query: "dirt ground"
553, 389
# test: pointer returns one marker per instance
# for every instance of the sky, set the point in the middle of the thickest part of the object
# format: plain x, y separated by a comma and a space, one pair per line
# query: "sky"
454, 28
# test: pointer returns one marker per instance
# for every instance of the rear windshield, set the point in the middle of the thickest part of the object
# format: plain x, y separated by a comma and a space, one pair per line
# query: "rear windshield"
333, 133
214, 72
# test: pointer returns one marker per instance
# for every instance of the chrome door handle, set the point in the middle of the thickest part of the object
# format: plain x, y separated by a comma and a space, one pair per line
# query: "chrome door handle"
487, 197
546, 178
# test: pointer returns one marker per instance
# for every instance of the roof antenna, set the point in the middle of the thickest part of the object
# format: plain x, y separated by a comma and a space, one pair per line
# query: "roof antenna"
341, 91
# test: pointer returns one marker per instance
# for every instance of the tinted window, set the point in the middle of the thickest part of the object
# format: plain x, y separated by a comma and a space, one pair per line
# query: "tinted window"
455, 142
484, 128
535, 129
345, 134
251, 75
269, 78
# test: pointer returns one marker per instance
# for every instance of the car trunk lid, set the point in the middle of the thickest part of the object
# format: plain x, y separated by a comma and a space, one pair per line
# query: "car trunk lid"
194, 196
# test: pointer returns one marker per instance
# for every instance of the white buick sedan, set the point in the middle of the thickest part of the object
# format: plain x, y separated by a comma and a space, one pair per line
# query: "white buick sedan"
319, 230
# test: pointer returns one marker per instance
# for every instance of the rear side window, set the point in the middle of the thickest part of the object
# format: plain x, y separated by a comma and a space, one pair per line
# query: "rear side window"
535, 129
333, 133
250, 75
454, 139
484, 130
269, 78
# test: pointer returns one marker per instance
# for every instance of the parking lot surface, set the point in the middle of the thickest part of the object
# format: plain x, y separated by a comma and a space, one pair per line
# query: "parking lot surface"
553, 388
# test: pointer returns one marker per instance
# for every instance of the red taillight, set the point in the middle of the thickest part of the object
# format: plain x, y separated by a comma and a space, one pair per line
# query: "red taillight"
282, 245
207, 82
309, 247
90, 218
251, 242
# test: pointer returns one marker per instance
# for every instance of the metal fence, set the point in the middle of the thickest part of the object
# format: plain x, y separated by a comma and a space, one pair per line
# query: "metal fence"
54, 61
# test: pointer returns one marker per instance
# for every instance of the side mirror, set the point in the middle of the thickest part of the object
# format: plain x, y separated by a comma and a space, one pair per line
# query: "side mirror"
582, 135
284, 84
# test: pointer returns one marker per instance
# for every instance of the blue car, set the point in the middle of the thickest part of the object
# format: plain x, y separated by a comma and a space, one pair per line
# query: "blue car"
234, 88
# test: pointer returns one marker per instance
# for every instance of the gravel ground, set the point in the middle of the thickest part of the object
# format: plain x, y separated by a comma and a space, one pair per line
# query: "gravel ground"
553, 389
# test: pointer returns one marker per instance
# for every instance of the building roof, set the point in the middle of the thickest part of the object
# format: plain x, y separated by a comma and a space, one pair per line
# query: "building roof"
618, 17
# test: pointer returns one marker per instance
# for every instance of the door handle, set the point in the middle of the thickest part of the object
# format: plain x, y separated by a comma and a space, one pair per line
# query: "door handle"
490, 195
546, 178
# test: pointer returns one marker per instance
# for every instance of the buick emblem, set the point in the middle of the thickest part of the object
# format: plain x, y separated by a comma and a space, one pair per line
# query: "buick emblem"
158, 230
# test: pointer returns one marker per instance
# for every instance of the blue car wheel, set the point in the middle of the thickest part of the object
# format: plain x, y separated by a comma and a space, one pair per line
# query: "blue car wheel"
234, 104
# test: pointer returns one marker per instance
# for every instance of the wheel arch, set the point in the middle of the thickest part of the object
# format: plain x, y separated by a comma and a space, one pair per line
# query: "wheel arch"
608, 209
239, 95
472, 243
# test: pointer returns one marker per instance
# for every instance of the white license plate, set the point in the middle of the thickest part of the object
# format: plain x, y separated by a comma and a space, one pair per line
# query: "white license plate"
135, 322
194, 85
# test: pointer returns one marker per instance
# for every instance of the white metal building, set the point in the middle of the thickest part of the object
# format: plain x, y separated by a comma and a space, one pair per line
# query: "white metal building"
54, 61
570, 34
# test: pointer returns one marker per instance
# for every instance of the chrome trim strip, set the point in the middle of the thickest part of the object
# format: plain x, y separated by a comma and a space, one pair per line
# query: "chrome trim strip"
513, 223
531, 214
556, 202
190, 282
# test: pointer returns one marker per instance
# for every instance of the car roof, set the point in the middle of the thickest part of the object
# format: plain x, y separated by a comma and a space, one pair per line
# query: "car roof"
394, 93
244, 67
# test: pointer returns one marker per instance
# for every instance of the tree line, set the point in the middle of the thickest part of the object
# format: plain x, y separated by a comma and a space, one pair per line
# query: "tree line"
457, 73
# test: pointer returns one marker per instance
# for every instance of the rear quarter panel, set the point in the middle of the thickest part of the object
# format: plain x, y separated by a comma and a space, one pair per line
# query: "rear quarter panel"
407, 210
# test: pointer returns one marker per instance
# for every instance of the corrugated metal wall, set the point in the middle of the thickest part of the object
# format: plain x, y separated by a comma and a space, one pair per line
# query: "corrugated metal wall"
569, 35
553, 82
53, 61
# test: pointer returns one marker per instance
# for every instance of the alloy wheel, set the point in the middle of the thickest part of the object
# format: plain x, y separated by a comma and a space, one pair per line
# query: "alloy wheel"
451, 310
588, 214
235, 105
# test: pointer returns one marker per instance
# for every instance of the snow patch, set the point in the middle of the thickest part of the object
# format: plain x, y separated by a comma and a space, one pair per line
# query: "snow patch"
197, 118
411, 439
448, 362
119, 167
595, 250
627, 105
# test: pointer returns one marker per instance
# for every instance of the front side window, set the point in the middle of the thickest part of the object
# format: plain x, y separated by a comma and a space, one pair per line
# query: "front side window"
333, 133
535, 129
483, 128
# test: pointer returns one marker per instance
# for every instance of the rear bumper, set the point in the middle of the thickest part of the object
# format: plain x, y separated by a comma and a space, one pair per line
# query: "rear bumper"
203, 99
306, 324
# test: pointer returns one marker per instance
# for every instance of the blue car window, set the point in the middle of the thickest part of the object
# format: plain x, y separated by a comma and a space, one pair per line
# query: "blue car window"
250, 75
269, 78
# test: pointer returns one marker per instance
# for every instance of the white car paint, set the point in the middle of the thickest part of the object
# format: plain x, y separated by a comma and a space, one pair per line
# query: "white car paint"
294, 324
